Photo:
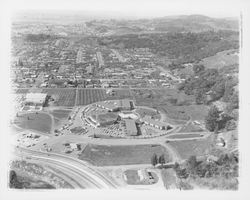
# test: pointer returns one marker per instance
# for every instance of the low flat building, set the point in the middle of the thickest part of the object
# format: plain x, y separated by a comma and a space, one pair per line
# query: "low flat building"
151, 122
116, 105
35, 99
130, 127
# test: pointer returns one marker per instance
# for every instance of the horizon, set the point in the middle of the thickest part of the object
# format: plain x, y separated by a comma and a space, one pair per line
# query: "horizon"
106, 15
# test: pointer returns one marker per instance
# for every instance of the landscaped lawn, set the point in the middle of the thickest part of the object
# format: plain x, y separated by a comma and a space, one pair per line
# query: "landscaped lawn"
39, 122
102, 155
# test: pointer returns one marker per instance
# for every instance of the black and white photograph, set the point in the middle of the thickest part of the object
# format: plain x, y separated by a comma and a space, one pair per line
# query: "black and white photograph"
124, 95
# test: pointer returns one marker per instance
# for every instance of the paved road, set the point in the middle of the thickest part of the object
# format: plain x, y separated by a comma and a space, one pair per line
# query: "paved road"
85, 173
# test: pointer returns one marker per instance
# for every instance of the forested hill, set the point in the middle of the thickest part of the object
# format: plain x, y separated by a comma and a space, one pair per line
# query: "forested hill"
184, 47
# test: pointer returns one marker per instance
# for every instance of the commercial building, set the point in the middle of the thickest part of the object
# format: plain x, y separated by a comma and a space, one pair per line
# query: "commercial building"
35, 99
151, 122
102, 119
130, 127
116, 105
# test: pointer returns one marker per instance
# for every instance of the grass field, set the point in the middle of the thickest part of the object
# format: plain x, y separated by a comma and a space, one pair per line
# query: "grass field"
63, 97
190, 128
175, 112
39, 122
187, 148
161, 97
193, 112
221, 59
101, 155
182, 136
134, 179
60, 115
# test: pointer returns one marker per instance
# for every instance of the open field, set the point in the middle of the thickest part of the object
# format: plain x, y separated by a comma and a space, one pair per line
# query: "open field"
190, 127
160, 97
221, 59
189, 112
60, 115
39, 122
63, 97
133, 178
101, 155
197, 147
175, 112
196, 112
169, 178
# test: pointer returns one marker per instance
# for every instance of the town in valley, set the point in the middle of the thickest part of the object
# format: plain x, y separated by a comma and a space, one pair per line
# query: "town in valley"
110, 103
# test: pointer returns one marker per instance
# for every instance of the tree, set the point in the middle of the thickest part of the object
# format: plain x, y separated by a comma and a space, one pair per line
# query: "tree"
198, 68
212, 118
162, 159
154, 160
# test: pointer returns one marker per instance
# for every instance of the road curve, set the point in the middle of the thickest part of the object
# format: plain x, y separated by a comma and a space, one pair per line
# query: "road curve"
92, 176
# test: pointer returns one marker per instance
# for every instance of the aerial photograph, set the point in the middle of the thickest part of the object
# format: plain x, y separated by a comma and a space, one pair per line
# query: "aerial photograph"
107, 102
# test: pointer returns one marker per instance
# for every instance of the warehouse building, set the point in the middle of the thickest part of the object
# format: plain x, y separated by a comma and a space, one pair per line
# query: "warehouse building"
35, 99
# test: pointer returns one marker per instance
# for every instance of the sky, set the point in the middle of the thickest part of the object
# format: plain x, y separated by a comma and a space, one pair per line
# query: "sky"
135, 8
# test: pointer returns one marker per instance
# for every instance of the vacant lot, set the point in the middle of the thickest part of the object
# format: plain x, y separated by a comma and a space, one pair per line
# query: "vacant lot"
60, 115
39, 122
190, 127
63, 97
133, 178
160, 97
189, 112
221, 59
101, 155
175, 112
188, 148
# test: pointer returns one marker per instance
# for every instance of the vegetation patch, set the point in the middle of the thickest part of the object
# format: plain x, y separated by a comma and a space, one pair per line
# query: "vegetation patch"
35, 121
197, 147
101, 155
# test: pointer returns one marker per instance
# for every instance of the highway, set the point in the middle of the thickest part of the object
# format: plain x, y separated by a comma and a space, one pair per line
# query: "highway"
84, 175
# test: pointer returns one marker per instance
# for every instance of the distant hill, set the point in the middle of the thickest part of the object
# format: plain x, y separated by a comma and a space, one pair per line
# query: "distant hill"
182, 23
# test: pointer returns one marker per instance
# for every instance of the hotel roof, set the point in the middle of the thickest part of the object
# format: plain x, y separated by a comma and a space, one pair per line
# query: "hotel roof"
36, 97
149, 120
